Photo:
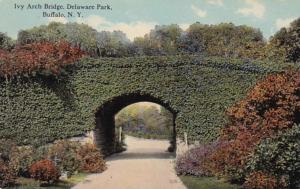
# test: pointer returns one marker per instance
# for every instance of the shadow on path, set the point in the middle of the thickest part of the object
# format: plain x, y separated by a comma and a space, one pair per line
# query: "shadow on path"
144, 155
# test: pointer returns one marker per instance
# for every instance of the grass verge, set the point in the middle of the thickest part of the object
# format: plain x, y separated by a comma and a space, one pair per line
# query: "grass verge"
192, 182
26, 183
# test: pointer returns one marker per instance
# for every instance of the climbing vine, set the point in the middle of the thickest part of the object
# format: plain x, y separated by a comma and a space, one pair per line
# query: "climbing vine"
40, 109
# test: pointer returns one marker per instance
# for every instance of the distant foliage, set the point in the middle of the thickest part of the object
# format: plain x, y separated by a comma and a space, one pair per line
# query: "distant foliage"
112, 44
225, 39
145, 121
289, 39
44, 170
91, 159
162, 40
38, 57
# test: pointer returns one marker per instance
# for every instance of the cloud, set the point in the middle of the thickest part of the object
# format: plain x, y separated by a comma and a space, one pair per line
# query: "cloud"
284, 22
94, 21
57, 19
215, 2
184, 26
199, 12
132, 29
255, 8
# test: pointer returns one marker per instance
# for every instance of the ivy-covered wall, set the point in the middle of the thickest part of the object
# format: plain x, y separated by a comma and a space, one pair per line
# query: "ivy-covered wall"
40, 109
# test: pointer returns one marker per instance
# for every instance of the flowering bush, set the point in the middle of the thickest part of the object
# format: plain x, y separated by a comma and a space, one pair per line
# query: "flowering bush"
44, 170
64, 154
37, 57
21, 160
261, 180
280, 156
7, 175
91, 159
271, 107
7, 172
195, 162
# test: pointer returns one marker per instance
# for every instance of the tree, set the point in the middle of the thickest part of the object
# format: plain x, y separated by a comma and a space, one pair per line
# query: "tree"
289, 39
78, 35
161, 40
6, 43
167, 37
224, 39
145, 120
112, 44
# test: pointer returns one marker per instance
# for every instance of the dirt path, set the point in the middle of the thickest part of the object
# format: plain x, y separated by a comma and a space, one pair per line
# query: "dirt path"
145, 165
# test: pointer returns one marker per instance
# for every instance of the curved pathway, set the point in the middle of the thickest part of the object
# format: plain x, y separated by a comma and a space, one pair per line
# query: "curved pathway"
145, 165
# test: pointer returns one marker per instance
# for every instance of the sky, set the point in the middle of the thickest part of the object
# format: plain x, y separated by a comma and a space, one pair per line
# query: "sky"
138, 17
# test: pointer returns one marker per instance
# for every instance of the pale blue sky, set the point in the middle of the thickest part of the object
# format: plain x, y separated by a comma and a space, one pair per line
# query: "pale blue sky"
137, 17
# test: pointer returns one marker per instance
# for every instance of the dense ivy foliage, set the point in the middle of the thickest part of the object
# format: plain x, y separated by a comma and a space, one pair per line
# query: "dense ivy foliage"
40, 109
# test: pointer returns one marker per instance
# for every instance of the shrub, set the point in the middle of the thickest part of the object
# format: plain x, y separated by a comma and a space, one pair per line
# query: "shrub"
7, 175
40, 152
7, 147
280, 156
271, 107
44, 170
64, 154
195, 162
91, 159
261, 180
22, 159
7, 171
37, 57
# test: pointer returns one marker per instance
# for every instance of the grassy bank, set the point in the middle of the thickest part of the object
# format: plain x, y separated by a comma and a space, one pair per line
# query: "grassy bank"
26, 183
206, 183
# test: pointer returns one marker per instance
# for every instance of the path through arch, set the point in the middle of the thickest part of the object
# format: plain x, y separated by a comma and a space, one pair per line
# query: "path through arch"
105, 135
144, 165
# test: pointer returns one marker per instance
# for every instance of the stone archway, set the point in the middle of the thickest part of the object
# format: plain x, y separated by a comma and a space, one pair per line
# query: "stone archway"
105, 122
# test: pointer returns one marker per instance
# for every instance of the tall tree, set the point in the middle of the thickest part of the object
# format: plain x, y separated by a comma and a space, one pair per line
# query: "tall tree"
6, 43
289, 39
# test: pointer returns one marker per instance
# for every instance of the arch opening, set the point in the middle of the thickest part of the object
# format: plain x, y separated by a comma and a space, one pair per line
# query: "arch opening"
106, 137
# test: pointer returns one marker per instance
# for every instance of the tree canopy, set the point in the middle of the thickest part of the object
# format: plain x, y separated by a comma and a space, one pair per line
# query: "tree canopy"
289, 39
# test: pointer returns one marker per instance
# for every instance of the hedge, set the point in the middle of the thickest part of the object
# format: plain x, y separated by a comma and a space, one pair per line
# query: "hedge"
40, 109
